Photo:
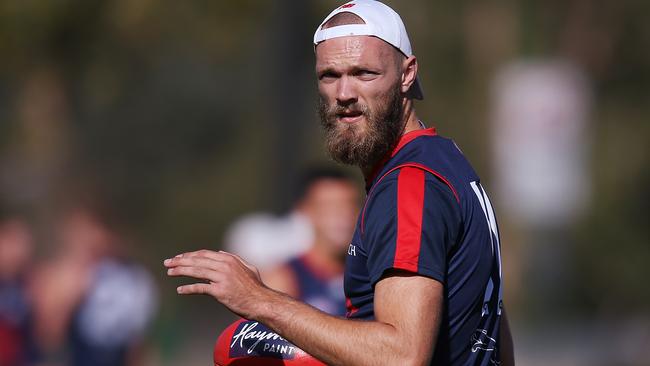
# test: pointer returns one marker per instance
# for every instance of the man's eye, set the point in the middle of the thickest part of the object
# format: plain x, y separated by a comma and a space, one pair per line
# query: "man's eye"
327, 76
366, 74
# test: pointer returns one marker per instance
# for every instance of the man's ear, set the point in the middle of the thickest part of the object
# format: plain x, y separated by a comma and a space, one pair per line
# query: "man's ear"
409, 73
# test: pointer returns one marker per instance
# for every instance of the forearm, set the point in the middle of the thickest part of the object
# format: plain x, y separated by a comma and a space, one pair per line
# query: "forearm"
335, 341
407, 310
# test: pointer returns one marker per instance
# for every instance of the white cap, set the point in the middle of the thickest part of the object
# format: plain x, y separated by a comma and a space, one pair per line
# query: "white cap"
380, 21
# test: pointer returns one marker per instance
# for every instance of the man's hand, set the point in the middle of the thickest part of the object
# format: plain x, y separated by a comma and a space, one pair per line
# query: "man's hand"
233, 282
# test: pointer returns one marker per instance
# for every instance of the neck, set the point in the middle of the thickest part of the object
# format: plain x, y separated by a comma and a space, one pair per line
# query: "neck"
410, 121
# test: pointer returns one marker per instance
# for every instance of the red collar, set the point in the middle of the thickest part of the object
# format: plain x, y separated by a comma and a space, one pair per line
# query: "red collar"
403, 141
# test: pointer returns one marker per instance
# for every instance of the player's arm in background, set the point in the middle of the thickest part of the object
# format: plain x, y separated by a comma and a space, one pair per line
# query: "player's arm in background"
282, 279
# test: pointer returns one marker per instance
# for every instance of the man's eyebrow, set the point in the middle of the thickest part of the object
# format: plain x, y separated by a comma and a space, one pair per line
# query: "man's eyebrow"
357, 68
325, 69
351, 69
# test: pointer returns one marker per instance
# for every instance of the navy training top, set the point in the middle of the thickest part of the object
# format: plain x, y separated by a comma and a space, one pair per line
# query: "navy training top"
427, 213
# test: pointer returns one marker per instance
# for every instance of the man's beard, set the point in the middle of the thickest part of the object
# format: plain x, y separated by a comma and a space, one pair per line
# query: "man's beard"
363, 145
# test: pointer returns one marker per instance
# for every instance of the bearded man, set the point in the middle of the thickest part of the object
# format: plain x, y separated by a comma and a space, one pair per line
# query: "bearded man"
423, 271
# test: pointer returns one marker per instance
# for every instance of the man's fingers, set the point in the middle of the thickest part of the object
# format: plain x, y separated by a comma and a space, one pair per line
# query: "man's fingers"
193, 262
203, 253
194, 272
195, 288
207, 258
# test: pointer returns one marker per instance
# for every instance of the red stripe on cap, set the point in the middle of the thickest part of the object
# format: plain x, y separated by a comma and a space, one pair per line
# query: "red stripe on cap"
410, 204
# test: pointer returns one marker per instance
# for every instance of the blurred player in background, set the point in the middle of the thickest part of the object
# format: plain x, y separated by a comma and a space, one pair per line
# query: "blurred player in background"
92, 303
329, 199
16, 250
423, 270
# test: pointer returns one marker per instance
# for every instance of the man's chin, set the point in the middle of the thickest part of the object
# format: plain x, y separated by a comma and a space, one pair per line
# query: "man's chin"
345, 135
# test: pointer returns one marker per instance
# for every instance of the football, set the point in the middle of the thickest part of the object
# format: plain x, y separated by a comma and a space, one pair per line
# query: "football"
248, 343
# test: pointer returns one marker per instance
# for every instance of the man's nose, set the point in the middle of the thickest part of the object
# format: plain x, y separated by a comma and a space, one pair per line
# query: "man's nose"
345, 92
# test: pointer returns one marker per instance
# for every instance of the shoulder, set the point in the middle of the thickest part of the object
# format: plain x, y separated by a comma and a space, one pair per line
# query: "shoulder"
409, 192
409, 180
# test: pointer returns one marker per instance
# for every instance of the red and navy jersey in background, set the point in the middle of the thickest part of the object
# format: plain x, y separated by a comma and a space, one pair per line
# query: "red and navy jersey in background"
427, 213
318, 289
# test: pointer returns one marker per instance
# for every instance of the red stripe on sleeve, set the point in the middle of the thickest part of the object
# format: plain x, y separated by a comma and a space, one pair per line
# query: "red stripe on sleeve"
351, 309
410, 204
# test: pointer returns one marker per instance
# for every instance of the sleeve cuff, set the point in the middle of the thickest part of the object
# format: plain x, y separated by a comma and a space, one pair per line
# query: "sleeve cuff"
404, 266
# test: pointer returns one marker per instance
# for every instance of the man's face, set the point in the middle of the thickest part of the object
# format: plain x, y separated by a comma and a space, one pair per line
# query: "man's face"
360, 100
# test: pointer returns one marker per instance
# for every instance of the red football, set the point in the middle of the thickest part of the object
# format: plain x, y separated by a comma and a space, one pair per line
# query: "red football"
249, 343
